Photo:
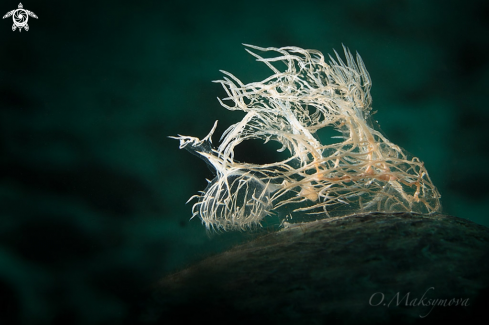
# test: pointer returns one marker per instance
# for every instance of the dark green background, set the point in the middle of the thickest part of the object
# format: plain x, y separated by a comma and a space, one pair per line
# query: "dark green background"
92, 191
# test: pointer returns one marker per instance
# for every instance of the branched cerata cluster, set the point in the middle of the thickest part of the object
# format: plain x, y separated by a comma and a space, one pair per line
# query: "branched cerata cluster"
361, 171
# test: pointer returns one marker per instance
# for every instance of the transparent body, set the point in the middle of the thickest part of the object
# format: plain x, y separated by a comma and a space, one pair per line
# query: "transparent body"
363, 172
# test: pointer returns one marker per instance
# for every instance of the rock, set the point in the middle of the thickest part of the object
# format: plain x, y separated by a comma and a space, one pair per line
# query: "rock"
365, 268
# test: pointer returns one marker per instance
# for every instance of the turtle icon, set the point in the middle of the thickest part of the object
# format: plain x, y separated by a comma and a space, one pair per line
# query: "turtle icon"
20, 17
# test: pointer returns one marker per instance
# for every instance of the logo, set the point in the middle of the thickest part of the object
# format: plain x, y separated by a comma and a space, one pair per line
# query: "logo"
20, 17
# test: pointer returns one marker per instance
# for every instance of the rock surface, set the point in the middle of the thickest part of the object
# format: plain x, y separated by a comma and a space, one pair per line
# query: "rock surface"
368, 268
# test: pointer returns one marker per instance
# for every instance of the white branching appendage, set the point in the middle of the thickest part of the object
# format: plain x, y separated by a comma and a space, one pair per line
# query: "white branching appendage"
362, 173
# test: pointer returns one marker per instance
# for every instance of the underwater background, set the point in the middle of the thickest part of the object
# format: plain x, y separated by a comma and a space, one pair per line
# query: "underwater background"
92, 190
